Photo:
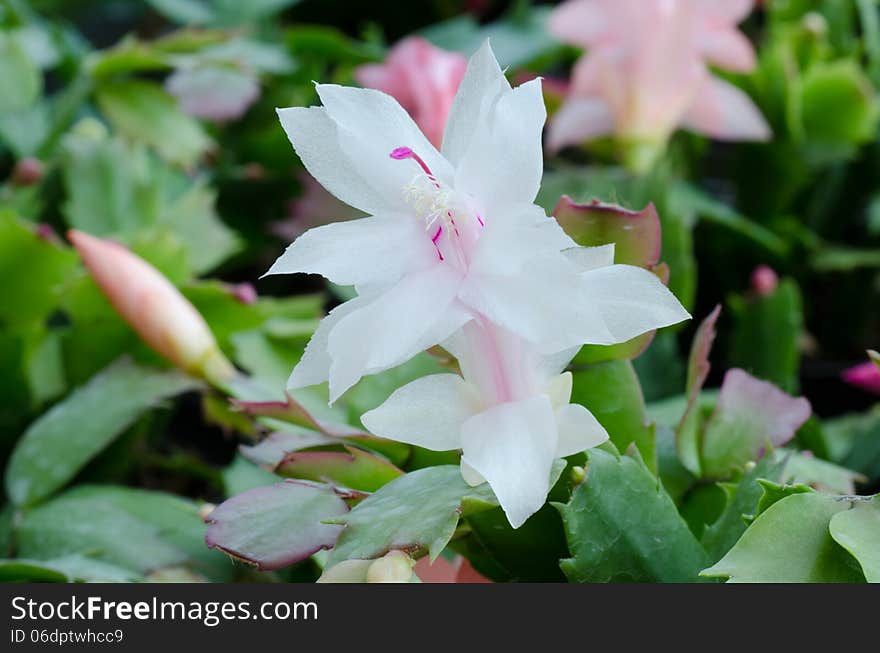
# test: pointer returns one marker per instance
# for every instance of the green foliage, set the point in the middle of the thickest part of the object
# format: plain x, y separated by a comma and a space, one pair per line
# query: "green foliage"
417, 513
621, 526
611, 391
64, 439
790, 543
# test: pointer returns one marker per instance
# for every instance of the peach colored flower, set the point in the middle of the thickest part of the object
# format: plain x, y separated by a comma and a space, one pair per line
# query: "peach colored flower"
154, 308
646, 71
422, 77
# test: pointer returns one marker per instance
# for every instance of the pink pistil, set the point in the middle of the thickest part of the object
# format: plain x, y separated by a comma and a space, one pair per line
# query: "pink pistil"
400, 153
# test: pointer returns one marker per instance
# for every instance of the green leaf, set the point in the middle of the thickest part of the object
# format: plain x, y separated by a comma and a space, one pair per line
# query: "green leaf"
145, 113
742, 504
837, 104
519, 38
109, 186
242, 475
766, 333
858, 531
790, 543
687, 437
611, 391
65, 438
750, 416
415, 513
39, 267
69, 569
276, 525
138, 530
20, 79
621, 526
355, 469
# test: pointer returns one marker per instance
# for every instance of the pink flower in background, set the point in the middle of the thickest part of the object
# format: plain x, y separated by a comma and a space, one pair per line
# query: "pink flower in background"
646, 71
865, 376
764, 280
423, 78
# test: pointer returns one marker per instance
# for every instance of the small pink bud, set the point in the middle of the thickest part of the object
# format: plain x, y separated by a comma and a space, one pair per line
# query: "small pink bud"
154, 308
27, 172
244, 292
865, 376
764, 280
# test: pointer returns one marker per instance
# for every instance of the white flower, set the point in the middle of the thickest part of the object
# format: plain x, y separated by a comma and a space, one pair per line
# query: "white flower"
451, 237
510, 415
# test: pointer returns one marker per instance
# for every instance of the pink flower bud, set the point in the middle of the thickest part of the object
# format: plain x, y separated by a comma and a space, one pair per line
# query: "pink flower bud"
764, 280
865, 376
27, 172
154, 308
422, 77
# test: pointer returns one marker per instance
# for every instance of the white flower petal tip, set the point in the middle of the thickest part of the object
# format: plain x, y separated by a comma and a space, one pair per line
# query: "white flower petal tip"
513, 446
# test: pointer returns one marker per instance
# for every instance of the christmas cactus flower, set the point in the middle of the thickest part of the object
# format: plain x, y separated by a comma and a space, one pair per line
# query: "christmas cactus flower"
509, 413
646, 71
422, 77
452, 236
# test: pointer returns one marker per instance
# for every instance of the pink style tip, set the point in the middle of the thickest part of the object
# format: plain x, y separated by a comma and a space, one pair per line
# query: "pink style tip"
401, 153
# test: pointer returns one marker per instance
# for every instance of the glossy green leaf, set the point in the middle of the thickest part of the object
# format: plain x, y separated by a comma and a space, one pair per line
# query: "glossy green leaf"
416, 513
65, 438
621, 526
858, 531
790, 543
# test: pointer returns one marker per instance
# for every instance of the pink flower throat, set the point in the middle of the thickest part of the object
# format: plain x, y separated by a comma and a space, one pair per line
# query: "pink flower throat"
401, 153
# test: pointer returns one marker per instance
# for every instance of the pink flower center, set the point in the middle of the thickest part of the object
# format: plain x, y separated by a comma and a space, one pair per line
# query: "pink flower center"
435, 204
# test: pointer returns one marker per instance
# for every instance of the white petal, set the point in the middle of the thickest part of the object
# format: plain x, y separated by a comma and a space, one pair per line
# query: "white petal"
578, 430
315, 137
376, 249
504, 161
559, 388
513, 446
314, 366
579, 120
483, 82
429, 412
392, 329
372, 124
632, 300
590, 258
547, 304
512, 239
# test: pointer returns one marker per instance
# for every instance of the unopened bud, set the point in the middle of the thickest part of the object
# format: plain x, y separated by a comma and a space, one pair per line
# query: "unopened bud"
347, 571
578, 474
393, 567
27, 172
764, 280
154, 308
815, 23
